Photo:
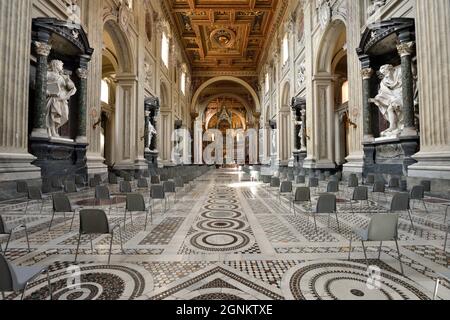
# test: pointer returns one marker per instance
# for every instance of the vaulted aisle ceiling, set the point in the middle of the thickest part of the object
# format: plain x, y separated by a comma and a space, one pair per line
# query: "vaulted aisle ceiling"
225, 35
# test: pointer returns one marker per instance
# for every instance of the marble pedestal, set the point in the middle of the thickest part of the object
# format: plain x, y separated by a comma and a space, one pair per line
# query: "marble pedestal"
59, 157
390, 157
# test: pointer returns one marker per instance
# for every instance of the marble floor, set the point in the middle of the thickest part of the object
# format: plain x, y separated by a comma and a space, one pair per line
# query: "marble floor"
230, 240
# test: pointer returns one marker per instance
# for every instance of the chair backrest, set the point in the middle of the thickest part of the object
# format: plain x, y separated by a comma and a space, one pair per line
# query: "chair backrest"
333, 186
146, 174
286, 186
290, 176
135, 202
370, 178
125, 187
353, 181
302, 194
102, 193
313, 182
427, 185
169, 186
70, 187
142, 183
2, 226
326, 204
6, 278
400, 202
56, 182
93, 183
155, 180
339, 175
22, 187
417, 193
383, 227
93, 221
79, 180
179, 182
275, 182
34, 193
138, 175
334, 178
61, 203
379, 186
164, 177
112, 178
157, 191
300, 179
394, 182
266, 179
360, 194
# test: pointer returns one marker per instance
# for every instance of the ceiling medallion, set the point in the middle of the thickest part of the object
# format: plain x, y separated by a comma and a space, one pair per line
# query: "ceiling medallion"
223, 37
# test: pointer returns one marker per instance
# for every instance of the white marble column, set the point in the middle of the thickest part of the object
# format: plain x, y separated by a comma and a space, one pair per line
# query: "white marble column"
433, 50
15, 44
355, 159
93, 23
198, 141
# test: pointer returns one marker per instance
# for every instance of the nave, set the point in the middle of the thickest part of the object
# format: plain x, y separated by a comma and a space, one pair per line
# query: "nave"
230, 238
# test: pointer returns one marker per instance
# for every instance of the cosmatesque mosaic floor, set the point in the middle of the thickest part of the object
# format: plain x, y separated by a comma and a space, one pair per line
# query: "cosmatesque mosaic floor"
230, 240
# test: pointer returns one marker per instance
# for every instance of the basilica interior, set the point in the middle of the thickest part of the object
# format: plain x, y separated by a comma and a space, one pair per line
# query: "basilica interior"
224, 150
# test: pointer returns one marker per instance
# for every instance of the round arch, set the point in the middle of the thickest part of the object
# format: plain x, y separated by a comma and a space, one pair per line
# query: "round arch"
328, 45
286, 96
225, 78
204, 105
121, 45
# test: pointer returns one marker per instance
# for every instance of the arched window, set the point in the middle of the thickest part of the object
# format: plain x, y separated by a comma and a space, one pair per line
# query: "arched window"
345, 92
285, 49
165, 49
104, 97
183, 82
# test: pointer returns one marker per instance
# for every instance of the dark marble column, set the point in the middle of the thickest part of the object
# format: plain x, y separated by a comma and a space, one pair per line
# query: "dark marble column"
146, 130
405, 49
40, 103
82, 73
367, 74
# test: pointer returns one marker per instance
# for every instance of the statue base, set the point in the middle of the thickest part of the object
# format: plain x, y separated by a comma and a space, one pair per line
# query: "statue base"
299, 158
59, 157
152, 158
390, 157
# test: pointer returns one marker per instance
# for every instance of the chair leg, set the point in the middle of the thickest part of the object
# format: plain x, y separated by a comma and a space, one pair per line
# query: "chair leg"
399, 256
379, 250
3, 296
315, 223
49, 285
73, 219
410, 218
365, 254
121, 239
28, 240
23, 291
436, 288
26, 207
7, 242
51, 221
337, 221
78, 246
110, 247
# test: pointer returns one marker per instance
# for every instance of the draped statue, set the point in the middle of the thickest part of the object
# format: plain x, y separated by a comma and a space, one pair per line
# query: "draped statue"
60, 88
390, 99
151, 132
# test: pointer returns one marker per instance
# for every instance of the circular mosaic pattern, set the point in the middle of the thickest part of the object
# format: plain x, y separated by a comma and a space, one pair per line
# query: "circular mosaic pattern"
221, 201
221, 214
92, 282
221, 224
218, 296
339, 280
223, 206
228, 241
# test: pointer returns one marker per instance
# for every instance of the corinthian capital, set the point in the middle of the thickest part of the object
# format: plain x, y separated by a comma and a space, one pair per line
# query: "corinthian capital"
405, 48
42, 49
367, 73
82, 73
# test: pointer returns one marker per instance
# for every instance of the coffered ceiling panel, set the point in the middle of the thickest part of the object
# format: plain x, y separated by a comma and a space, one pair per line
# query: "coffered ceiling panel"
222, 35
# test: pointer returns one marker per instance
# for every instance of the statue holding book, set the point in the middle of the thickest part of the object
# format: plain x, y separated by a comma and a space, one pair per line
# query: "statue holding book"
60, 88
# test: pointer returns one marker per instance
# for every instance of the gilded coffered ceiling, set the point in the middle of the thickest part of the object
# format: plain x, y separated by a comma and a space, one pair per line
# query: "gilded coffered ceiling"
224, 35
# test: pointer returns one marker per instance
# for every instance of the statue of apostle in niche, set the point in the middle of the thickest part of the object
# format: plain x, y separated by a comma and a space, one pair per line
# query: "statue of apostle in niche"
390, 99
151, 133
60, 88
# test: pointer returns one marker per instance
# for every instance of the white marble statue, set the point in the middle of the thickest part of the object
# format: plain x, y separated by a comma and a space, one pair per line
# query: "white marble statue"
60, 88
151, 132
390, 99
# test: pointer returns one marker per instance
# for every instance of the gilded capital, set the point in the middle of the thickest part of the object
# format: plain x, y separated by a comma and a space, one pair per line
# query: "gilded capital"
42, 49
405, 48
367, 73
